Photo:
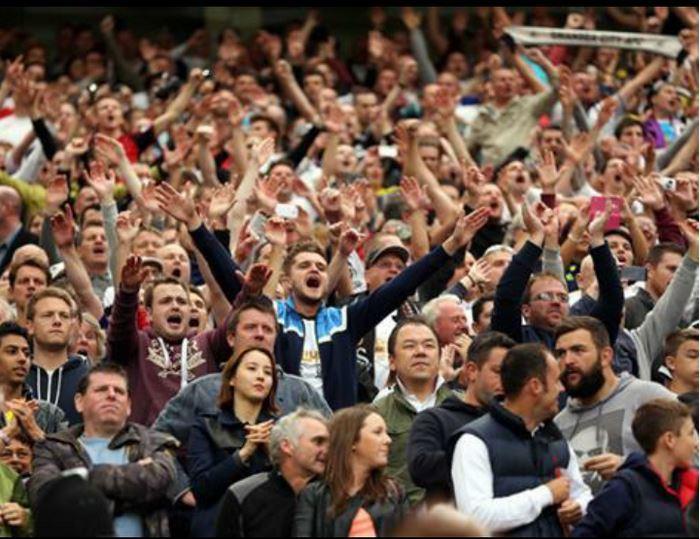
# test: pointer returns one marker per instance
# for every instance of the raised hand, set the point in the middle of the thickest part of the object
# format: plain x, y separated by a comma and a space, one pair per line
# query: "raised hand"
465, 229
532, 222
109, 149
596, 228
263, 150
63, 229
255, 280
547, 171
410, 17
481, 272
578, 148
689, 227
77, 147
472, 178
412, 194
649, 191
447, 362
276, 231
236, 113
177, 205
607, 110
375, 45
350, 240
283, 70
334, 119
330, 200
56, 193
222, 200
107, 25
101, 180
128, 225
133, 274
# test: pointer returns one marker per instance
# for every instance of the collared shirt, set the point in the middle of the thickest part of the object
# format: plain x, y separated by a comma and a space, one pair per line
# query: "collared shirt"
5, 245
414, 401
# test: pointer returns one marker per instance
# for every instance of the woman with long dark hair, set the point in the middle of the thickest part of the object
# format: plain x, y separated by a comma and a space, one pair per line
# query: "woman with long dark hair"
232, 444
355, 498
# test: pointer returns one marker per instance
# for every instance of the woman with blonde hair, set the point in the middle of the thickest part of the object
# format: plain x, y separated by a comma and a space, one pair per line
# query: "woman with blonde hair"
355, 498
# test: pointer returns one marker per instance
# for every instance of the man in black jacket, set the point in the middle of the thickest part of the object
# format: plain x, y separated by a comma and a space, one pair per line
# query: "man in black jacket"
543, 298
263, 504
428, 461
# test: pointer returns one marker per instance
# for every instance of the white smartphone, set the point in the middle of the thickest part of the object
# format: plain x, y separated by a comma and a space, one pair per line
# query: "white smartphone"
287, 211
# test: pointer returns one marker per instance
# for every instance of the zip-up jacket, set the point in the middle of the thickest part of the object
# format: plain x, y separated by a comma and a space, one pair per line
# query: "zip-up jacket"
338, 329
59, 387
636, 502
426, 453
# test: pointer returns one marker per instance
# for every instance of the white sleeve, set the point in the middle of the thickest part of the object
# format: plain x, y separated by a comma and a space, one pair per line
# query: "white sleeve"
579, 490
473, 485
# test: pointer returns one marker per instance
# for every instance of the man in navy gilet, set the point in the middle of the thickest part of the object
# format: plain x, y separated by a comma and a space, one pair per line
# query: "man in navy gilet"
512, 469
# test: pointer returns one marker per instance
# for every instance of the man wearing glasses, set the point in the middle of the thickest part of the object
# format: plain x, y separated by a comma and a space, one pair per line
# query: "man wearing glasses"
542, 299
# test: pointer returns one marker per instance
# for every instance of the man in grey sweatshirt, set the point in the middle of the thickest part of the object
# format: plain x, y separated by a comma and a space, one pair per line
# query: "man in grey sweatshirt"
598, 414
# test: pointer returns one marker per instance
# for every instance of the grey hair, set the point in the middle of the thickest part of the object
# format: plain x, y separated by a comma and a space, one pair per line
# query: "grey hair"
430, 310
287, 428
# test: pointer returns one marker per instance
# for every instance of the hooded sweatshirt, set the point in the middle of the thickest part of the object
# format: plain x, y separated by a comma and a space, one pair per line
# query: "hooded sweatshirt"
59, 386
606, 426
636, 502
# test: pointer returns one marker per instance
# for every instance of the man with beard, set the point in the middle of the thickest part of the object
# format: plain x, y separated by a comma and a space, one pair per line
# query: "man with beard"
263, 505
432, 429
512, 469
543, 298
597, 396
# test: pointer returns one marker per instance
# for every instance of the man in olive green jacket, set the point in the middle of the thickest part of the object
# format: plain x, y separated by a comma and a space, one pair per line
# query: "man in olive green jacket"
414, 385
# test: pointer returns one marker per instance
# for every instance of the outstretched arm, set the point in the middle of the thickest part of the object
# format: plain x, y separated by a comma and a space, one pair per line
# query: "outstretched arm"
63, 229
363, 315
179, 104
611, 299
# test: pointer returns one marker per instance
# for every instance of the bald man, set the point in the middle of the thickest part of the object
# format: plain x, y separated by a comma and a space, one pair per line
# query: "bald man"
12, 232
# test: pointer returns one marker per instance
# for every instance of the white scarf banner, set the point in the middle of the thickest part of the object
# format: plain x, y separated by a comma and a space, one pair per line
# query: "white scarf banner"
535, 35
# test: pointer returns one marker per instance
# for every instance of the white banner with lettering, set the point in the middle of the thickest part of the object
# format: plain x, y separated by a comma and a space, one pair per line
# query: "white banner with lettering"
535, 35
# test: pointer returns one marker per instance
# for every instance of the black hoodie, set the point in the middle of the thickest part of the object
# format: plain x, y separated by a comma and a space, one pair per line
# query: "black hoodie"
427, 445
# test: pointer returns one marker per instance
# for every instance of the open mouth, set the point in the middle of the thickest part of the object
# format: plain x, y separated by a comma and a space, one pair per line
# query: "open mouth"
174, 320
99, 250
520, 179
313, 282
177, 272
618, 177
194, 322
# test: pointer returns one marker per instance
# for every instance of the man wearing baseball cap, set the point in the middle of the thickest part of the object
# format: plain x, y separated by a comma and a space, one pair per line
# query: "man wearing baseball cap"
386, 258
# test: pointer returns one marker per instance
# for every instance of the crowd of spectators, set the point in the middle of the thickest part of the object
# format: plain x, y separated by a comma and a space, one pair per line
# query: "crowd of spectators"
441, 283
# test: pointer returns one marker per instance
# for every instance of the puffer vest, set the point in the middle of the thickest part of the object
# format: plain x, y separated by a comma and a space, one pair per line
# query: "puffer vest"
522, 461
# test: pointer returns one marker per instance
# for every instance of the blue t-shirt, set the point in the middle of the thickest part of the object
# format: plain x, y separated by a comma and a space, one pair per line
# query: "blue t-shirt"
128, 524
